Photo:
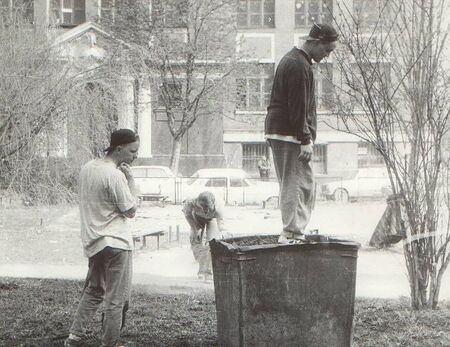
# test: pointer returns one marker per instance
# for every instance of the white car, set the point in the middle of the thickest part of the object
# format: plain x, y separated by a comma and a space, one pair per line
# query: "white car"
154, 181
231, 185
366, 183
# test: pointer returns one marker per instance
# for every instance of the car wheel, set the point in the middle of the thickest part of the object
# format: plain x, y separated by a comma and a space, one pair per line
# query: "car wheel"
341, 195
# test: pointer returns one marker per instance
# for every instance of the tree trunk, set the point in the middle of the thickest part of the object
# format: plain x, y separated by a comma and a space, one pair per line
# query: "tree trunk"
175, 158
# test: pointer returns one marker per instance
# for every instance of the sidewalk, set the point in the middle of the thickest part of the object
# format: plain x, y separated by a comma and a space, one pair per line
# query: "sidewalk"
380, 273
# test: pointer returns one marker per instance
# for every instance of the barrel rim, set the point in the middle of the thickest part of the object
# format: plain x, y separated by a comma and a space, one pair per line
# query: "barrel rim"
332, 243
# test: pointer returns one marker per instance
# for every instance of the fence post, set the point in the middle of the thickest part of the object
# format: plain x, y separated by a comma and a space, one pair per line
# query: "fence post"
178, 233
170, 234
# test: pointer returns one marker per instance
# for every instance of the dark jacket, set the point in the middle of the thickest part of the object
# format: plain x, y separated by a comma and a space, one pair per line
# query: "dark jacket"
292, 108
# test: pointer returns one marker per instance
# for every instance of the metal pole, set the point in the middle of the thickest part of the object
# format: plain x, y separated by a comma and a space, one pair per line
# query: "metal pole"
170, 234
178, 233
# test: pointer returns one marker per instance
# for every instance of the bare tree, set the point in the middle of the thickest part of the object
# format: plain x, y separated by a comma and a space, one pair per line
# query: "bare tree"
37, 91
392, 92
187, 49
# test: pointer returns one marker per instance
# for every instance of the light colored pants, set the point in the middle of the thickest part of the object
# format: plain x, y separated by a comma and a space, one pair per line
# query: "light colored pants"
296, 186
200, 245
109, 281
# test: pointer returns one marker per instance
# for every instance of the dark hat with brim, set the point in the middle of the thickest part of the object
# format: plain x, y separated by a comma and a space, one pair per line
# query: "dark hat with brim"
321, 32
121, 137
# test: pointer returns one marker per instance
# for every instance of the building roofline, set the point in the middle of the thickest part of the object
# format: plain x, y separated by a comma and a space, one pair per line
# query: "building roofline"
81, 29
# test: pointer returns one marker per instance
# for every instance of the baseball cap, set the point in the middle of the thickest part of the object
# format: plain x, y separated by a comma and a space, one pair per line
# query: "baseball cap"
321, 32
121, 137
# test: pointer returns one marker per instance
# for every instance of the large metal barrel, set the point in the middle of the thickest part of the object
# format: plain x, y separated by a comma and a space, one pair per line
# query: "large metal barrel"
269, 294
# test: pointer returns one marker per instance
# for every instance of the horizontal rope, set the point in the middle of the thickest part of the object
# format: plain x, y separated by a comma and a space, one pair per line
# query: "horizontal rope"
412, 238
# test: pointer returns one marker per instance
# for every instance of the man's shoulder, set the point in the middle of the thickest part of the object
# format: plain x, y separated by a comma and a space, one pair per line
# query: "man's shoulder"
188, 205
295, 60
100, 167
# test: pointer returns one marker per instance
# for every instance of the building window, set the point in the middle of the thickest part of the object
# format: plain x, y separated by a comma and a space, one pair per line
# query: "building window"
323, 79
320, 159
256, 14
251, 154
370, 77
308, 12
107, 9
69, 12
171, 93
253, 91
22, 8
169, 14
368, 13
368, 156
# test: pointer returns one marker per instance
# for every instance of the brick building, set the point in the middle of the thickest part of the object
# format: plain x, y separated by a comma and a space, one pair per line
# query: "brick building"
266, 30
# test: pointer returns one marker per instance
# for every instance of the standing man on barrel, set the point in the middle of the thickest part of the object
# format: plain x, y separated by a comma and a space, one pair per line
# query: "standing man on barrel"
290, 129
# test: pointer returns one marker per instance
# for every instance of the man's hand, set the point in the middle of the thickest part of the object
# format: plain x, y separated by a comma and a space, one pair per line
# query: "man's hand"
126, 169
306, 152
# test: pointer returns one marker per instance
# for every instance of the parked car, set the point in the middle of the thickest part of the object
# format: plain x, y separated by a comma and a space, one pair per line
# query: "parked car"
370, 182
155, 181
231, 185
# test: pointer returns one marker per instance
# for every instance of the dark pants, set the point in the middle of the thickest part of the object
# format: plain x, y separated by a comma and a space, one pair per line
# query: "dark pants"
296, 186
108, 281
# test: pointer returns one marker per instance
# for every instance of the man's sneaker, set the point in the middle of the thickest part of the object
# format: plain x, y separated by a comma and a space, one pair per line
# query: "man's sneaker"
69, 342
299, 238
87, 340
124, 343
284, 240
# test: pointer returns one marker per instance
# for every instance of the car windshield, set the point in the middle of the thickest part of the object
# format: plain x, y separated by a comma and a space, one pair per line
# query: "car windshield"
238, 182
156, 172
216, 182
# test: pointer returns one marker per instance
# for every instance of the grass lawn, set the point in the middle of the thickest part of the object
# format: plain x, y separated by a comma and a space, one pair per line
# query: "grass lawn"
33, 308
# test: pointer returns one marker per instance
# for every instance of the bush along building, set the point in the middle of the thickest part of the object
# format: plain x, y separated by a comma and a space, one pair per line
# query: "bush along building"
199, 98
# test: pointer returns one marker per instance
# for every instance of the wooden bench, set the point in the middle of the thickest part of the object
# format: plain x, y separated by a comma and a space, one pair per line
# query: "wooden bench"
142, 235
275, 199
154, 197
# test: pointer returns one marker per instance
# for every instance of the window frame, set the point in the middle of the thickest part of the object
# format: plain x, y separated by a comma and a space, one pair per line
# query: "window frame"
59, 9
363, 7
251, 154
357, 98
371, 158
167, 17
320, 71
249, 13
319, 158
107, 12
308, 22
25, 6
264, 77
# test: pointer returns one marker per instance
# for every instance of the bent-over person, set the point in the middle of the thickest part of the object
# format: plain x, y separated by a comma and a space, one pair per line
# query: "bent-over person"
205, 217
